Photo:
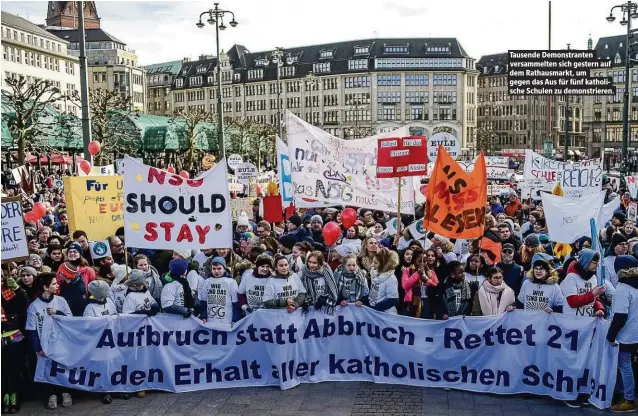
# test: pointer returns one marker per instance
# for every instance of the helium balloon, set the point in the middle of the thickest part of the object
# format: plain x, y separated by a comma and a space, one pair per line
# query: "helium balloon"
348, 217
184, 174
331, 233
85, 165
170, 169
94, 147
258, 189
39, 210
29, 217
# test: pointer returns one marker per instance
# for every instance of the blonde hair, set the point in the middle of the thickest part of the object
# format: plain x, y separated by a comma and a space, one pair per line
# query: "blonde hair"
318, 255
349, 257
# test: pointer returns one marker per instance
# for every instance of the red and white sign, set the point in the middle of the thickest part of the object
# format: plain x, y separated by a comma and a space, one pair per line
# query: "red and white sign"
402, 156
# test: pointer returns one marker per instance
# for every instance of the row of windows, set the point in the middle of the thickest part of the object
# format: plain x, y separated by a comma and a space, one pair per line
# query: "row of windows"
9, 53
444, 79
417, 63
362, 81
31, 40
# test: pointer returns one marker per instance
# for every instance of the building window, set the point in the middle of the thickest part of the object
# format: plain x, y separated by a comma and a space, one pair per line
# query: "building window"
324, 54
396, 49
179, 83
354, 64
331, 117
288, 71
417, 80
417, 63
415, 113
362, 81
357, 115
321, 67
328, 84
237, 91
438, 49
384, 97
444, 97
238, 107
261, 62
237, 76
226, 76
194, 81
389, 80
361, 50
444, 79
417, 97
387, 112
358, 98
255, 74
201, 69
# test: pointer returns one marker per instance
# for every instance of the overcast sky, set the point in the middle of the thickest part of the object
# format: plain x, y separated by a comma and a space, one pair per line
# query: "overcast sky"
162, 31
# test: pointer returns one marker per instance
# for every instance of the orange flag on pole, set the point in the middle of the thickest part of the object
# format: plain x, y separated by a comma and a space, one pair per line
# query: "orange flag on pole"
456, 199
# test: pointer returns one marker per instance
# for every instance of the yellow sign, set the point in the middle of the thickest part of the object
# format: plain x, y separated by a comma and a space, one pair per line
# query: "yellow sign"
95, 204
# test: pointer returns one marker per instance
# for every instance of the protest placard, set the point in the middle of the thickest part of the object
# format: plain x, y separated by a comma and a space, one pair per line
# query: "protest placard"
95, 204
401, 156
568, 218
632, 211
456, 199
576, 178
450, 143
107, 170
284, 172
330, 170
245, 172
99, 249
14, 240
495, 166
166, 211
234, 161
632, 186
238, 205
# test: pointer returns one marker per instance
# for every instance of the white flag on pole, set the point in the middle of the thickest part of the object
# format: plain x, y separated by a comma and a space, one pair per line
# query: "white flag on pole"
568, 218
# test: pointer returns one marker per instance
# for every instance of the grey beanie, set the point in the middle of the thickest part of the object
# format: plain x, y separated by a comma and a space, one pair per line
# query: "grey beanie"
316, 218
137, 277
99, 289
29, 270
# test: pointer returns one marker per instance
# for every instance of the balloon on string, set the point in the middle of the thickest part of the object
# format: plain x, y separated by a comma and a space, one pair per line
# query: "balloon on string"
94, 147
39, 210
85, 165
170, 169
348, 217
331, 233
29, 217
184, 174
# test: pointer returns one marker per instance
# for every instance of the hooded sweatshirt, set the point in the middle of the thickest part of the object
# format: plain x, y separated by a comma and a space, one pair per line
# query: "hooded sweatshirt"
541, 294
279, 288
578, 285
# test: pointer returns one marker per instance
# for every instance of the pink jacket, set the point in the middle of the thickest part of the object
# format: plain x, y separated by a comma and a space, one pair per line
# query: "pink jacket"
409, 281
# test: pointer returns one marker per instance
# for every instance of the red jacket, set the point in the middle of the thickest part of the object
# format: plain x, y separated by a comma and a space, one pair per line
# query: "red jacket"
512, 207
577, 301
409, 281
86, 272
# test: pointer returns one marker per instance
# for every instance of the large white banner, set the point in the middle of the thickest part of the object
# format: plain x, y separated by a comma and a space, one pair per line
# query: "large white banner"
568, 219
342, 172
165, 211
550, 354
576, 178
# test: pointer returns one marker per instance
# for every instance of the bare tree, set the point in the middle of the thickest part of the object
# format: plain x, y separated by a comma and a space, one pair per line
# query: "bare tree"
33, 119
192, 128
262, 141
485, 139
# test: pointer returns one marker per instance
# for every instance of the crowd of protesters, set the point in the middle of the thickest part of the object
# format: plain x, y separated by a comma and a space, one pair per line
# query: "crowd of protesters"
427, 278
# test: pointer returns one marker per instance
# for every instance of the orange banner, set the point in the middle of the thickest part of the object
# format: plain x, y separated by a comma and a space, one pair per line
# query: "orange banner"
456, 199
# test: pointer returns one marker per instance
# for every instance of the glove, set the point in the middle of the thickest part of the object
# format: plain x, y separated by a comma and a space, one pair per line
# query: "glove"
12, 284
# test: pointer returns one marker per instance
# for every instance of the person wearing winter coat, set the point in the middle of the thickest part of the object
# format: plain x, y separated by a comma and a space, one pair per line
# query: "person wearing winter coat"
619, 247
494, 297
72, 288
138, 300
178, 298
99, 303
218, 299
384, 287
26, 279
457, 297
419, 283
319, 281
580, 286
74, 257
512, 272
153, 281
624, 329
194, 279
117, 293
540, 291
284, 289
352, 284
253, 284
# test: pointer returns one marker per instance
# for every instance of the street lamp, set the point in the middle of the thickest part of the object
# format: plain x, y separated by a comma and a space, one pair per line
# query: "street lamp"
277, 56
629, 12
311, 80
216, 17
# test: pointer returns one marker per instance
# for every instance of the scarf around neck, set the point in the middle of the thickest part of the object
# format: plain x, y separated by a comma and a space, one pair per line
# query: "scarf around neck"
494, 299
348, 283
309, 280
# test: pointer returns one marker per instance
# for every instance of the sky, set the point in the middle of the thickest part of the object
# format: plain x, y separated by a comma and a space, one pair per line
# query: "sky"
161, 31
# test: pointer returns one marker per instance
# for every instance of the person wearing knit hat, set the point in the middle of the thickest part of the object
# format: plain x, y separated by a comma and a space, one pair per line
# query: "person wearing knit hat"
218, 301
619, 247
617, 221
294, 222
72, 288
99, 302
540, 291
316, 228
177, 296
119, 287
286, 243
251, 288
580, 287
184, 254
624, 328
138, 299
242, 222
532, 240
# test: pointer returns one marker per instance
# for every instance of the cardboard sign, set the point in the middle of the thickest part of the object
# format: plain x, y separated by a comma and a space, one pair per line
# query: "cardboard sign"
234, 161
14, 240
166, 211
245, 172
450, 143
238, 205
99, 249
456, 199
402, 156
632, 211
95, 204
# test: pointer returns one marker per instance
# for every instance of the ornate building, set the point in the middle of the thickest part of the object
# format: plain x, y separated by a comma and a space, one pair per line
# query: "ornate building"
65, 14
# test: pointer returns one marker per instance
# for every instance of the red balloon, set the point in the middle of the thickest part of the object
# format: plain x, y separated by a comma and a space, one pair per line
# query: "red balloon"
348, 217
170, 169
331, 233
184, 174
29, 217
94, 147
85, 165
258, 189
39, 210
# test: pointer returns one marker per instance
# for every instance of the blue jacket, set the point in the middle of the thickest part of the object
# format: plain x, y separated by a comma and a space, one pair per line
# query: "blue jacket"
75, 295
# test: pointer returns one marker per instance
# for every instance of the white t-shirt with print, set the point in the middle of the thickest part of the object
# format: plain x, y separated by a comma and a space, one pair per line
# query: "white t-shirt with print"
535, 296
387, 289
38, 310
626, 301
138, 301
575, 285
283, 288
96, 309
117, 294
253, 288
173, 294
219, 295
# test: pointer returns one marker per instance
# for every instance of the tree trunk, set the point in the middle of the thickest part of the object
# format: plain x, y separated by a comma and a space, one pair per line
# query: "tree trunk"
191, 156
21, 146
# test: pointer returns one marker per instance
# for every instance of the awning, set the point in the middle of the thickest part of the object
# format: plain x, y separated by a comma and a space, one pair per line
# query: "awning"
56, 159
570, 152
577, 152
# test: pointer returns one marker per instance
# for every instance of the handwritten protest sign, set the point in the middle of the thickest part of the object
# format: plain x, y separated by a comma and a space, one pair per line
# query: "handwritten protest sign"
327, 169
450, 143
234, 161
108, 170
14, 240
238, 205
577, 178
166, 211
402, 156
245, 172
567, 218
95, 204
456, 199
495, 166
632, 186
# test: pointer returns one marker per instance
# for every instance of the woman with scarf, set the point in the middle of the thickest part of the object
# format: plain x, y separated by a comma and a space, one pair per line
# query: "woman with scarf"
494, 297
369, 247
352, 284
405, 261
253, 284
284, 289
74, 257
458, 295
384, 287
540, 291
153, 281
320, 284
377, 231
436, 263
419, 283
531, 246
177, 297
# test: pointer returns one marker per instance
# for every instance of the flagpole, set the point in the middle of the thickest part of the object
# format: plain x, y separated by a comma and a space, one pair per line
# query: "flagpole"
399, 203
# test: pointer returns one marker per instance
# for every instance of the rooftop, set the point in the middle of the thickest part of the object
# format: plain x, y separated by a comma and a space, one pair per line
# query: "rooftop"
18, 22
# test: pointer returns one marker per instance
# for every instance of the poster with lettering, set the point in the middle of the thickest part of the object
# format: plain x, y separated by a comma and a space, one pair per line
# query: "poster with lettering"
326, 169
14, 240
238, 205
456, 199
283, 172
632, 185
402, 156
166, 211
495, 166
568, 217
108, 170
576, 178
245, 172
95, 204
450, 143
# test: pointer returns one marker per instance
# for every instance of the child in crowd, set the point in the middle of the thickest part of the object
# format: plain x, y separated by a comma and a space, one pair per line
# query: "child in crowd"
153, 281
284, 289
352, 284
253, 284
138, 300
99, 302
177, 296
419, 281
384, 287
458, 294
540, 291
319, 281
218, 295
